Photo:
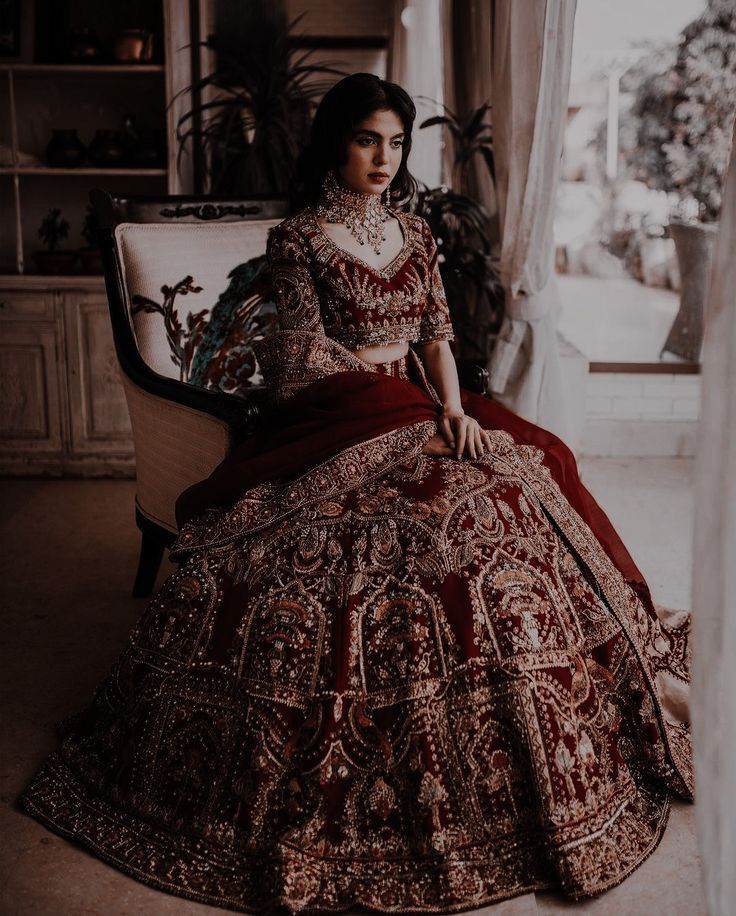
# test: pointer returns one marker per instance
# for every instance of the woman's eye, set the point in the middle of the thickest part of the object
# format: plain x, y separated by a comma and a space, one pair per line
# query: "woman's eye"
364, 141
397, 143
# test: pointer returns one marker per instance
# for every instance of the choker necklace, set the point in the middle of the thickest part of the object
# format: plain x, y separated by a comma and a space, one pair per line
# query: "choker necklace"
362, 214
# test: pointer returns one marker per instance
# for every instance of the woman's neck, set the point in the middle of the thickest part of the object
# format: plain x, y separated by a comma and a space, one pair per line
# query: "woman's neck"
363, 214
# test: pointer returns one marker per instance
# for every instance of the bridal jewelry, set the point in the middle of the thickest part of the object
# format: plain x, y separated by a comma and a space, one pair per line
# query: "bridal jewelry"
364, 215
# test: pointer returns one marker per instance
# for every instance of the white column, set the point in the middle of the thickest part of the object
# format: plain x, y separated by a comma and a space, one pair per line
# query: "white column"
714, 574
416, 65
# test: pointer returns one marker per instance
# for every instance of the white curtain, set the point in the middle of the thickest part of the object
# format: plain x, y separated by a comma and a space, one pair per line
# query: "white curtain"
415, 63
532, 51
714, 574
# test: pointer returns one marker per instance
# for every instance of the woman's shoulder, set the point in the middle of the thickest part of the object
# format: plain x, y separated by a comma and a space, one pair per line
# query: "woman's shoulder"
293, 230
419, 227
295, 223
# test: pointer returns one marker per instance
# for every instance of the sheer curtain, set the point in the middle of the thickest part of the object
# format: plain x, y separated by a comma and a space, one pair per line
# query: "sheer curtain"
517, 55
714, 574
532, 52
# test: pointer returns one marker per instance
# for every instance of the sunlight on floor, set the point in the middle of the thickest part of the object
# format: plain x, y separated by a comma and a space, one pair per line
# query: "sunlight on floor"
618, 320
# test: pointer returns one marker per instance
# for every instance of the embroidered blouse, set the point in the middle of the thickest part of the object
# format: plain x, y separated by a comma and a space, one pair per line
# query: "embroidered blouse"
321, 287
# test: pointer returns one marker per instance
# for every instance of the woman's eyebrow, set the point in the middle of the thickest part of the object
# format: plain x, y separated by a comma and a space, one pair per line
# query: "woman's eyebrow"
374, 133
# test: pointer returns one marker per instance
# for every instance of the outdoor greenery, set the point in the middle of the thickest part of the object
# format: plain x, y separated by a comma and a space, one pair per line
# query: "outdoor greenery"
684, 111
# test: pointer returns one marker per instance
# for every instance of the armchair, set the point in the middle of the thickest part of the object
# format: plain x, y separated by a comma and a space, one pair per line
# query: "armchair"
188, 293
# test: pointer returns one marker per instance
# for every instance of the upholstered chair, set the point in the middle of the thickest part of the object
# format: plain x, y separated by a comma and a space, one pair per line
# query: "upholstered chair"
187, 285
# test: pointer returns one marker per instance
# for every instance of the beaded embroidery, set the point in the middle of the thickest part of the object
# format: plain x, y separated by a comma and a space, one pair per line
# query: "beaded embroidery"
318, 286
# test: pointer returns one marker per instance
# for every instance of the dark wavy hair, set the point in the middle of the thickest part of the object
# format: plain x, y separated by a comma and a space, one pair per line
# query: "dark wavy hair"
343, 107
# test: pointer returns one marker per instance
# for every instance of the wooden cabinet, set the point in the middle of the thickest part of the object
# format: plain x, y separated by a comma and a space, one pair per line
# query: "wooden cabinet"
41, 94
99, 427
62, 408
31, 382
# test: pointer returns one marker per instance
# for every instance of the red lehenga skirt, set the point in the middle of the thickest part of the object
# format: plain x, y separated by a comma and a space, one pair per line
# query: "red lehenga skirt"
379, 678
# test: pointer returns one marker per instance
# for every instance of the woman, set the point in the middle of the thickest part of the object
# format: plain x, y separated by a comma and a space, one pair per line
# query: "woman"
406, 661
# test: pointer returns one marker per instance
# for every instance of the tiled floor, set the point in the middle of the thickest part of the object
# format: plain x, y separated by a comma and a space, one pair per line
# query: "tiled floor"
69, 551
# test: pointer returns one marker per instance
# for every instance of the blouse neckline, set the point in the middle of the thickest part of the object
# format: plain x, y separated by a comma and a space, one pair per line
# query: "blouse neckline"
384, 272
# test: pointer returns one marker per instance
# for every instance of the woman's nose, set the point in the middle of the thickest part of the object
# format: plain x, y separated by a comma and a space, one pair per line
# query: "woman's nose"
380, 156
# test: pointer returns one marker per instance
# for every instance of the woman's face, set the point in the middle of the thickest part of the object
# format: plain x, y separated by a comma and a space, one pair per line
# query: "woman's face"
374, 153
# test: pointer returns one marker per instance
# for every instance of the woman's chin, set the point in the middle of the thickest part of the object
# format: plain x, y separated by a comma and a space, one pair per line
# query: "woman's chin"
372, 187
367, 186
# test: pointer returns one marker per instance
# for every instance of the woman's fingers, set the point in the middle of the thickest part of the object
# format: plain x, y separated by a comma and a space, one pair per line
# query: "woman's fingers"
476, 441
464, 435
437, 446
446, 430
461, 436
472, 444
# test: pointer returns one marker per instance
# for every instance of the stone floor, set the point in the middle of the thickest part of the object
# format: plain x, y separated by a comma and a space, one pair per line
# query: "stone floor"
617, 320
69, 552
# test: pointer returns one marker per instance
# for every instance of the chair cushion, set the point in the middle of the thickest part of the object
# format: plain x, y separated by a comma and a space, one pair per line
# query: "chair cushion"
198, 296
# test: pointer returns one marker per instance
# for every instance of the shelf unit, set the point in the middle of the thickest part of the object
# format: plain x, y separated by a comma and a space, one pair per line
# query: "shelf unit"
62, 407
165, 79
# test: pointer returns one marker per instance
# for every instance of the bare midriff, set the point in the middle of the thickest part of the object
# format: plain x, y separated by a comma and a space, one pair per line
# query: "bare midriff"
385, 353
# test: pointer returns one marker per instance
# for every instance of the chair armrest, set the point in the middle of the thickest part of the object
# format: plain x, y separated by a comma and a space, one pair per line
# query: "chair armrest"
176, 445
472, 376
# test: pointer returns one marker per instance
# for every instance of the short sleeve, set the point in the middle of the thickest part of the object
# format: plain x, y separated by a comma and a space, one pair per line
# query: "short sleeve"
435, 322
296, 297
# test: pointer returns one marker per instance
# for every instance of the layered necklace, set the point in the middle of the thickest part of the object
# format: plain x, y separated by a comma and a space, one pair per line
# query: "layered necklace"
363, 215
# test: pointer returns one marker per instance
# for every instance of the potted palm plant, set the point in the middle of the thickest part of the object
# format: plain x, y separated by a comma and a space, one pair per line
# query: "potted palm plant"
54, 229
460, 224
252, 113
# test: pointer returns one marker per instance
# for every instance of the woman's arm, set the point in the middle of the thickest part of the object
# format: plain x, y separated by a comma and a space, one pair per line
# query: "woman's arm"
296, 297
460, 431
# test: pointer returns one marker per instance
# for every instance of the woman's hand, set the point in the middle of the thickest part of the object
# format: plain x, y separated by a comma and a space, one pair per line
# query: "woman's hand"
438, 447
463, 433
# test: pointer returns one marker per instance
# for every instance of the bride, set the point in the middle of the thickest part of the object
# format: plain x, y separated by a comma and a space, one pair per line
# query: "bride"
405, 661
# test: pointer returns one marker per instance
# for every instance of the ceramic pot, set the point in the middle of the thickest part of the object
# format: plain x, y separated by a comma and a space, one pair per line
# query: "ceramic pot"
133, 46
83, 47
65, 150
694, 245
107, 149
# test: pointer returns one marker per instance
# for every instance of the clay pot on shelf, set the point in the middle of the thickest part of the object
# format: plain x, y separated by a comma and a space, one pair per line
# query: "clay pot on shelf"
107, 149
83, 47
56, 262
133, 46
65, 150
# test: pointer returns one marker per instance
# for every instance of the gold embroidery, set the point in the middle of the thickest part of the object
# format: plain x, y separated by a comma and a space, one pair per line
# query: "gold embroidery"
319, 287
366, 704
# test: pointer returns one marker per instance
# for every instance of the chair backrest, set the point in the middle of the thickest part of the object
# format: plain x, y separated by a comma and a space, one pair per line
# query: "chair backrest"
188, 286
